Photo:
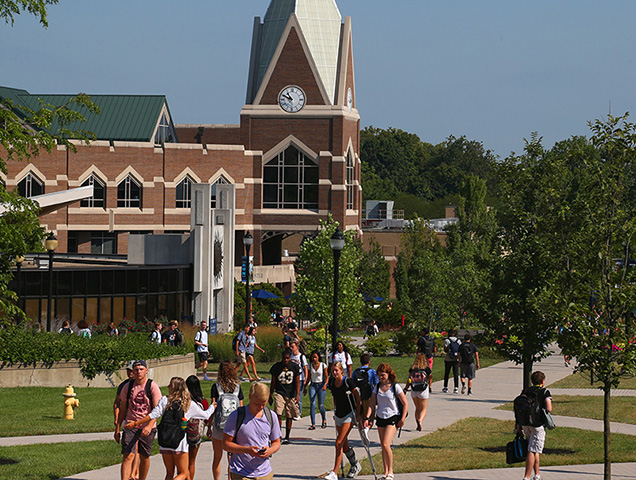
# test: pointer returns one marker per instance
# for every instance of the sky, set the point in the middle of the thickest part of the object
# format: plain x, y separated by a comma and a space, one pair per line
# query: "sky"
494, 71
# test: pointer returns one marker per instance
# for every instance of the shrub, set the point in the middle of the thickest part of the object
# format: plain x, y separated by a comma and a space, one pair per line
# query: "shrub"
269, 339
378, 346
405, 341
220, 347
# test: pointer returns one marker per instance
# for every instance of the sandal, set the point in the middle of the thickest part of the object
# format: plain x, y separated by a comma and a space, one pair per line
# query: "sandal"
324, 424
313, 427
389, 476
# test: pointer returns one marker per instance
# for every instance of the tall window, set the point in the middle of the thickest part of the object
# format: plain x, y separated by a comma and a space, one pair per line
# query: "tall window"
129, 193
290, 180
349, 181
184, 191
165, 130
219, 181
99, 193
30, 186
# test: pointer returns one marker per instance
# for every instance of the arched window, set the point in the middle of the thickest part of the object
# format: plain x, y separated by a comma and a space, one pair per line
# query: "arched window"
184, 190
30, 186
129, 193
290, 180
219, 181
98, 200
349, 182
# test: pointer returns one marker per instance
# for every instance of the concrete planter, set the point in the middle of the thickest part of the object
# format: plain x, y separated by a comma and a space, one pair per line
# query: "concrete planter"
61, 374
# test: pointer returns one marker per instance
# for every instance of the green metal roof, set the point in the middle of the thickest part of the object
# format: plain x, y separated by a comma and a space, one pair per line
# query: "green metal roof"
130, 118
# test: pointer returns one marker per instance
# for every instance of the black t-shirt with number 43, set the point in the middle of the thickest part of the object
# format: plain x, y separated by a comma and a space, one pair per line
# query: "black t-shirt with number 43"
285, 376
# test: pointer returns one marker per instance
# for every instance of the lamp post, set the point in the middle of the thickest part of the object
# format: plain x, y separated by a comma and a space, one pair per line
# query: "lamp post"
337, 242
18, 265
248, 240
50, 244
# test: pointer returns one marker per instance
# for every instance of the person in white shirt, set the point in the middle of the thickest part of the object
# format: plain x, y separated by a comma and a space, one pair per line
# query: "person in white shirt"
341, 355
317, 383
201, 342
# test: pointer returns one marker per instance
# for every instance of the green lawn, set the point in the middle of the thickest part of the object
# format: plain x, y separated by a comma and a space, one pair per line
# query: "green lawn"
578, 380
476, 443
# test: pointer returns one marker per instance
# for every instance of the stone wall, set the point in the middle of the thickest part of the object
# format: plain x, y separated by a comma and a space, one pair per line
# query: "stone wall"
61, 374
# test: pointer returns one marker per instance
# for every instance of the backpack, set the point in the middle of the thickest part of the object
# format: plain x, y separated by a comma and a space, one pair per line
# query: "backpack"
467, 352
147, 392
179, 339
172, 428
226, 404
428, 345
240, 418
527, 408
361, 379
194, 430
302, 346
453, 349
235, 341
419, 380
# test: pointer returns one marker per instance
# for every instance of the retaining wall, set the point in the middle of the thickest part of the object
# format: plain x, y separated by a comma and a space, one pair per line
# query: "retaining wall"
61, 374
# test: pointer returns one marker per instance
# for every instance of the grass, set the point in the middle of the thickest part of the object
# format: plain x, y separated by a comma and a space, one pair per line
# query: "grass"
477, 443
52, 461
578, 380
622, 409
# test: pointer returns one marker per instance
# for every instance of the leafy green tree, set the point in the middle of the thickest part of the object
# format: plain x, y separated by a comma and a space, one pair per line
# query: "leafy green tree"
374, 271
600, 325
313, 298
24, 132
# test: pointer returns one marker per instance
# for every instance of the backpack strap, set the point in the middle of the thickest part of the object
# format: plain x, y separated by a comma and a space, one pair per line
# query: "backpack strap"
240, 418
147, 392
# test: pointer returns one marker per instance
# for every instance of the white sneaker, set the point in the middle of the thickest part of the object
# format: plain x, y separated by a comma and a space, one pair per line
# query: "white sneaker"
331, 476
455, 390
354, 470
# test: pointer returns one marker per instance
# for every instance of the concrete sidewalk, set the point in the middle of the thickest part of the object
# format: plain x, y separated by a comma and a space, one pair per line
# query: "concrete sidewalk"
311, 453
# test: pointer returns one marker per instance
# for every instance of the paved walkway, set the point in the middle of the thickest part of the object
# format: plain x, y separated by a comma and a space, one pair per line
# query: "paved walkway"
311, 452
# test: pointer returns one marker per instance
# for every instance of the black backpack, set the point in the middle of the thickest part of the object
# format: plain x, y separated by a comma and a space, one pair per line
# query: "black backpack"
428, 346
453, 348
172, 428
419, 380
527, 408
361, 379
467, 352
235, 341
179, 339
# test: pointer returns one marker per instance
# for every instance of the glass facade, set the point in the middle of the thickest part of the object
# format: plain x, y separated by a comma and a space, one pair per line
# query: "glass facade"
290, 180
107, 294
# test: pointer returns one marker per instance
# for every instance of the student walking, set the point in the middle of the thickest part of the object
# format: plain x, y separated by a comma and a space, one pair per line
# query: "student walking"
196, 426
451, 361
346, 400
252, 345
227, 396
201, 344
390, 405
317, 382
426, 345
176, 405
419, 384
285, 391
468, 363
242, 341
534, 433
341, 355
365, 378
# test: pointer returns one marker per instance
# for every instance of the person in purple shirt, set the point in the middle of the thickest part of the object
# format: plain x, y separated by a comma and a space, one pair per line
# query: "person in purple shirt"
256, 438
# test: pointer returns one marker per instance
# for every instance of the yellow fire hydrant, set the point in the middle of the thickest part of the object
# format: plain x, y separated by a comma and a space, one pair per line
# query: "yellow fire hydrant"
70, 404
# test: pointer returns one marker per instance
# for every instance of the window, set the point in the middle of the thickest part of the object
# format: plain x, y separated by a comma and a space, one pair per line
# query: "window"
165, 130
184, 189
219, 181
290, 180
129, 193
349, 181
30, 186
99, 193
103, 243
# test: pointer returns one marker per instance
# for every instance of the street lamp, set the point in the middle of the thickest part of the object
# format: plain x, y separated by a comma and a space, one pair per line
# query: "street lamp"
50, 244
337, 242
248, 240
18, 265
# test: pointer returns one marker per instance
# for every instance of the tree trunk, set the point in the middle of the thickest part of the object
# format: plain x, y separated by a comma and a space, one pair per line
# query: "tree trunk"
527, 372
607, 468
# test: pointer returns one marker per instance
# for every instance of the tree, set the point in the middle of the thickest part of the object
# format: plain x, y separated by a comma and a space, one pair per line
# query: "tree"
600, 325
313, 296
374, 271
23, 133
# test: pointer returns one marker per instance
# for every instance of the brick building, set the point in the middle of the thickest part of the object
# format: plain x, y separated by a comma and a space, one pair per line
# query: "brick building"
293, 158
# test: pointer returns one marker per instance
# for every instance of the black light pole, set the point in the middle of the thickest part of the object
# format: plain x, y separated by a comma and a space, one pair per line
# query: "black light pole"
337, 242
248, 240
18, 265
50, 244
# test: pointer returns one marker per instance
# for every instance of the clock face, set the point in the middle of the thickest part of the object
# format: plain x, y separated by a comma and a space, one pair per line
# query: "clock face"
291, 99
349, 99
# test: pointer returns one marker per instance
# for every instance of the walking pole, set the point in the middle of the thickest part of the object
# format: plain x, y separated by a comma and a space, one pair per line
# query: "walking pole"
363, 436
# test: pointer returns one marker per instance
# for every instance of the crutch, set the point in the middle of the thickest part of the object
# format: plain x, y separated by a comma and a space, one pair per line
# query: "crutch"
363, 436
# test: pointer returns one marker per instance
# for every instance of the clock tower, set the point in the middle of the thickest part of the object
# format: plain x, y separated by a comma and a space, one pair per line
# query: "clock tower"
301, 123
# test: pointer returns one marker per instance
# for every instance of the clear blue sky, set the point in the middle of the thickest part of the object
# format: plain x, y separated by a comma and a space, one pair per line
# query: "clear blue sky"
494, 71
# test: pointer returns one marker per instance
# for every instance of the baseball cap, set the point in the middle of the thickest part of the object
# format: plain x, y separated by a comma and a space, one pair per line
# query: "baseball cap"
140, 363
130, 365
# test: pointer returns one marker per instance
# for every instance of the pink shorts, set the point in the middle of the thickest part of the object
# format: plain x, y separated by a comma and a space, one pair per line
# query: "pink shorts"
430, 363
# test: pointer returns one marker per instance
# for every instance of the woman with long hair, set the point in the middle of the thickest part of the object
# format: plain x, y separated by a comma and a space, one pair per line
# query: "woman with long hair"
341, 355
194, 387
317, 383
224, 393
391, 407
178, 397
249, 351
346, 400
418, 383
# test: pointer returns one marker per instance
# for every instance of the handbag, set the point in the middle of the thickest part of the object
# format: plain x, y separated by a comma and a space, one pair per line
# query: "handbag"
517, 450
548, 421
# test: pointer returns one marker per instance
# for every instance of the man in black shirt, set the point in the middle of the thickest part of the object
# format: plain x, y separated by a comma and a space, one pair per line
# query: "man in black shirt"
426, 345
468, 363
285, 391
